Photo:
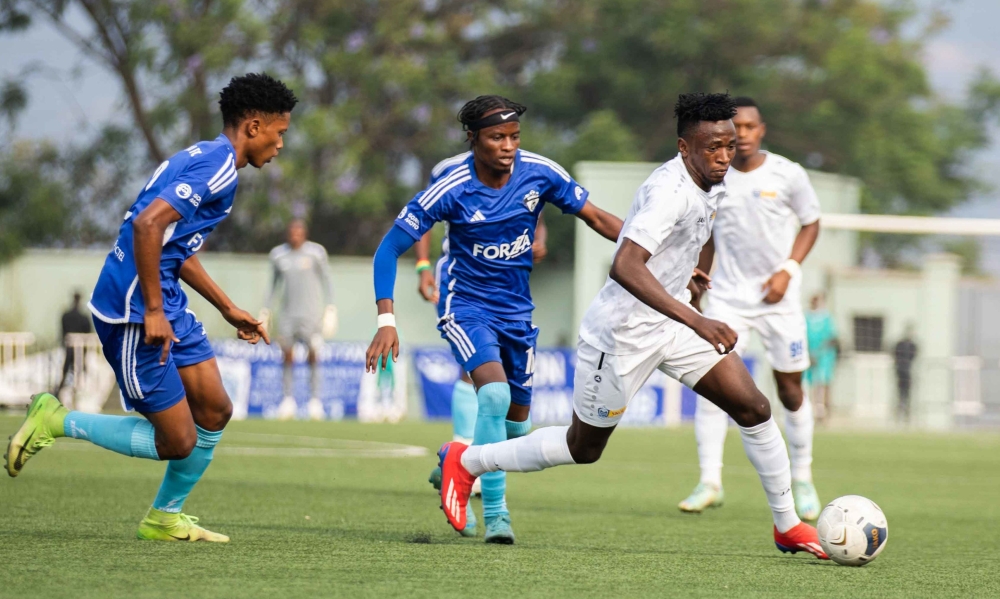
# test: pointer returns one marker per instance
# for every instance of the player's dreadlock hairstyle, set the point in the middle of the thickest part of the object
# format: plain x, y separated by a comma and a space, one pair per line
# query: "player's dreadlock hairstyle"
254, 92
692, 109
747, 102
473, 111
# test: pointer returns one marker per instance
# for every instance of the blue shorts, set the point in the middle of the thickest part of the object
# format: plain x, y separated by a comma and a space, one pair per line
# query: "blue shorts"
476, 339
146, 386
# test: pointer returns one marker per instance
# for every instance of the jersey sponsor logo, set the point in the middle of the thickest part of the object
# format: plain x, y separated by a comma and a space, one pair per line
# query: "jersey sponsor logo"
767, 195
606, 413
701, 220
195, 200
504, 251
413, 221
477, 217
531, 200
578, 191
183, 191
118, 252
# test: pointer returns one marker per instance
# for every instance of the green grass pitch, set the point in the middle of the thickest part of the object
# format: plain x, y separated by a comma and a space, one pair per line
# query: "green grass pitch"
308, 517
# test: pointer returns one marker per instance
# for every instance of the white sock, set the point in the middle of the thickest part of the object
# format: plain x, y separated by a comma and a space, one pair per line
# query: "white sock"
766, 450
540, 449
799, 430
710, 425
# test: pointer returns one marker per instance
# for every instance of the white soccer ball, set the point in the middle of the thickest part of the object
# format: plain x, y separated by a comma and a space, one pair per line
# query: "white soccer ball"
852, 530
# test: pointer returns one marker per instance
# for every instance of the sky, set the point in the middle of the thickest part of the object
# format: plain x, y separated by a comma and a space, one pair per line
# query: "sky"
70, 92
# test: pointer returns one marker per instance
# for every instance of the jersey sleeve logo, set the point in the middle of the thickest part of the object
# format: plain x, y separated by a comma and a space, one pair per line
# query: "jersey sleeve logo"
413, 221
531, 200
579, 192
402, 213
183, 191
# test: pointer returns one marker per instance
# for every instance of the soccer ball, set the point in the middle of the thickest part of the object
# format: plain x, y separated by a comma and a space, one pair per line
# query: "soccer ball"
852, 530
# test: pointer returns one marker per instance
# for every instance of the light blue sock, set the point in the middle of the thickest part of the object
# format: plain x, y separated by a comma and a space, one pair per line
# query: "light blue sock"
518, 429
127, 435
464, 406
182, 475
494, 400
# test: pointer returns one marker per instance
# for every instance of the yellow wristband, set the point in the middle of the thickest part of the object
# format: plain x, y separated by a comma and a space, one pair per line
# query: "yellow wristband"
423, 265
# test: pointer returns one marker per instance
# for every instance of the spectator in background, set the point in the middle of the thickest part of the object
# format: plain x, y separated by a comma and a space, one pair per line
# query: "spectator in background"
904, 354
73, 321
307, 312
823, 350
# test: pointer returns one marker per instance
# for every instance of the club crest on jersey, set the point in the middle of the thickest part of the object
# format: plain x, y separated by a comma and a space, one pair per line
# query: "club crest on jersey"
603, 412
531, 200
402, 212
183, 191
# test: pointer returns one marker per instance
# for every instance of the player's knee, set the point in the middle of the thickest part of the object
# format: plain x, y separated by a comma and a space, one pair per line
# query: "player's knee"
586, 453
178, 445
789, 391
753, 412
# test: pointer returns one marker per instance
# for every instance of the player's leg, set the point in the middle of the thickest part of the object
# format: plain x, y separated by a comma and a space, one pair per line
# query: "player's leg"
209, 410
603, 386
784, 337
710, 427
475, 347
315, 406
729, 385
287, 409
144, 383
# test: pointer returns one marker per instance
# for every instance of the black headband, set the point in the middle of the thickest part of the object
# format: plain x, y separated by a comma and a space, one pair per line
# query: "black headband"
508, 115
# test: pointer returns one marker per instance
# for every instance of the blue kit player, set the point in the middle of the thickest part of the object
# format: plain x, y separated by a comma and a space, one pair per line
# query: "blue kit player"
163, 362
491, 202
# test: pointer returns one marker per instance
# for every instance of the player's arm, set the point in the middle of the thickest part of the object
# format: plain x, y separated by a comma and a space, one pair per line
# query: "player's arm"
606, 225
700, 281
147, 245
247, 328
629, 270
264, 316
804, 202
425, 273
539, 247
386, 341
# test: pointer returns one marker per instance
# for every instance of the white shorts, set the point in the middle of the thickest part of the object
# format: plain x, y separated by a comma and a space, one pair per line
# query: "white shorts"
604, 384
783, 334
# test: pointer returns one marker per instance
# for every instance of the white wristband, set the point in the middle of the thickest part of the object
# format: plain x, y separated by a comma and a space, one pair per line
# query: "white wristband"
386, 320
791, 267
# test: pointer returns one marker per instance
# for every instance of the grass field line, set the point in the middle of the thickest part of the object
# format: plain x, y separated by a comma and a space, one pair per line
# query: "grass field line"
320, 447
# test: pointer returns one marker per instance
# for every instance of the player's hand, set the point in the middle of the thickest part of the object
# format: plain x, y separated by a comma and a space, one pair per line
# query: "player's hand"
699, 283
264, 316
722, 338
331, 322
428, 290
159, 332
384, 345
776, 287
248, 328
538, 251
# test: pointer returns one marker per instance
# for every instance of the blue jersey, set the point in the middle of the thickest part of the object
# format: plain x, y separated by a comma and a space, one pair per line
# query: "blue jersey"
200, 183
490, 231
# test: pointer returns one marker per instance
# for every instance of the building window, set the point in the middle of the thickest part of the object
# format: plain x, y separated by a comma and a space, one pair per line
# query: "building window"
868, 333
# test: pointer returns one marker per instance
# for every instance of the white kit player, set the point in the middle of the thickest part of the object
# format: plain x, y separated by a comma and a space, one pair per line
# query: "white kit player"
641, 321
756, 286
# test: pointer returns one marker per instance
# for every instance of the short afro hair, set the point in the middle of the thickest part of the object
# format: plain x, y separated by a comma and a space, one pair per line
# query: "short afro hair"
748, 102
692, 109
254, 93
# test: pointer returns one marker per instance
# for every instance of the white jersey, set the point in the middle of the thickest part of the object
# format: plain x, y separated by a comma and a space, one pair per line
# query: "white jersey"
754, 232
671, 218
